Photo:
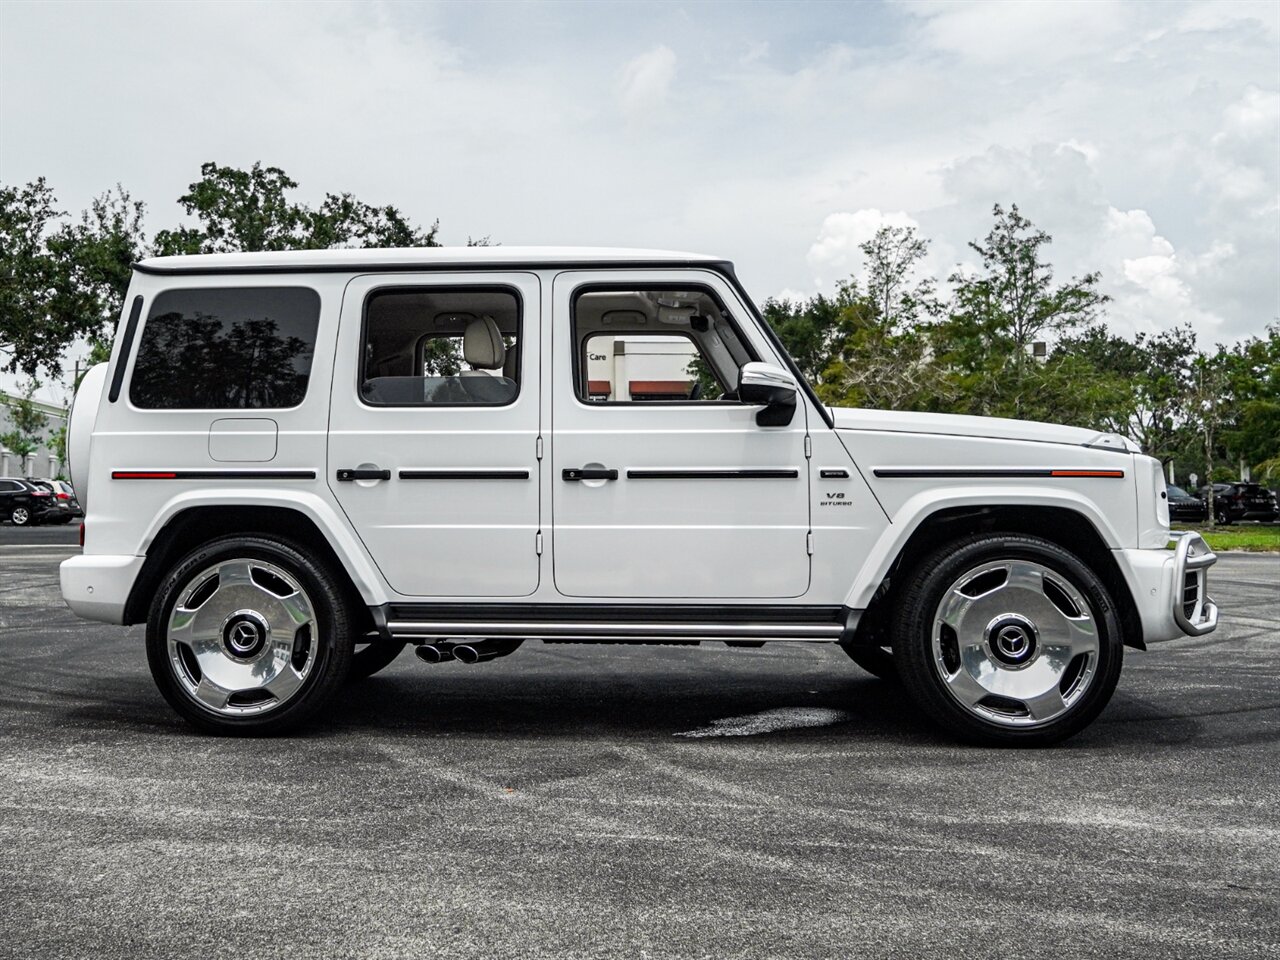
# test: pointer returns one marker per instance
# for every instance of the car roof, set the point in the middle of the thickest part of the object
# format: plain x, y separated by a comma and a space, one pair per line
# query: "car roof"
427, 258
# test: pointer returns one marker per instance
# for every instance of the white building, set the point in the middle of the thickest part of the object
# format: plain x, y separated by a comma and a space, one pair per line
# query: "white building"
637, 367
44, 462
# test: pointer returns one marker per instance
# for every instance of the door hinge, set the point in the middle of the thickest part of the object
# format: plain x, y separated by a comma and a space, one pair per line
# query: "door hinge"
538, 543
808, 542
808, 446
539, 448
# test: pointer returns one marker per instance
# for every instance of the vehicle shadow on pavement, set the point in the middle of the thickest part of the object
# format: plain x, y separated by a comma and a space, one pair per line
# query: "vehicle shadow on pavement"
645, 706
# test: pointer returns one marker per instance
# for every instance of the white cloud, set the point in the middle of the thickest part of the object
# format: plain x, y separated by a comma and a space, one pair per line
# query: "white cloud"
835, 254
999, 33
1256, 114
646, 80
1150, 283
796, 122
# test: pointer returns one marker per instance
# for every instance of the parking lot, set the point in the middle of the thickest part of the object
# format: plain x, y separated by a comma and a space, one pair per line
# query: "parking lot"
545, 804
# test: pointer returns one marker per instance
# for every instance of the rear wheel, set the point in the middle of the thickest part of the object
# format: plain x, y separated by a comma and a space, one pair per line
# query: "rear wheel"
248, 636
1008, 639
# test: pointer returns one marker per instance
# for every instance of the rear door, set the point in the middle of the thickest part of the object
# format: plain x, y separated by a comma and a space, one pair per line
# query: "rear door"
433, 430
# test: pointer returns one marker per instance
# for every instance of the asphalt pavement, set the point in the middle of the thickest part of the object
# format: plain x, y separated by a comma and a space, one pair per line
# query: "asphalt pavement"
553, 804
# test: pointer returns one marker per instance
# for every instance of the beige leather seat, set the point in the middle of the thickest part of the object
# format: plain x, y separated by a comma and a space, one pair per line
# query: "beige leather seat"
482, 347
483, 350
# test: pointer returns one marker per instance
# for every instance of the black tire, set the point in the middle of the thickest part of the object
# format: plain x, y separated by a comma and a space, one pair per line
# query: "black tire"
1222, 518
991, 721
877, 661
21, 517
374, 656
328, 664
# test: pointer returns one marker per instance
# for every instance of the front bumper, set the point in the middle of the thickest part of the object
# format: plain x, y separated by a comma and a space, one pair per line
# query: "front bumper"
96, 586
1170, 588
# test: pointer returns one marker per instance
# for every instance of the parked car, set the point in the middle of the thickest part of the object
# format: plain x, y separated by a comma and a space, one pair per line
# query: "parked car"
1184, 508
24, 503
67, 507
1240, 501
305, 462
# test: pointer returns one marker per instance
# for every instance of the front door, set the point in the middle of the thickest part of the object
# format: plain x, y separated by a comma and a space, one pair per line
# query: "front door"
664, 485
433, 430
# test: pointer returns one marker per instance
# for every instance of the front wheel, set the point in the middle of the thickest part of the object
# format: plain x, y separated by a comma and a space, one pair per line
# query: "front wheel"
248, 636
20, 517
1008, 639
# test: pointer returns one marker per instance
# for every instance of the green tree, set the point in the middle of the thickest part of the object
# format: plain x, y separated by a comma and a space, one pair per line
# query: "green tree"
869, 346
809, 329
1205, 412
997, 313
251, 210
32, 335
894, 256
61, 282
1146, 379
27, 424
98, 254
1251, 432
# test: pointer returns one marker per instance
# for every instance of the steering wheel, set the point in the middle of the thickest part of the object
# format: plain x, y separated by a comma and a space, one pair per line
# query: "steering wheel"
696, 392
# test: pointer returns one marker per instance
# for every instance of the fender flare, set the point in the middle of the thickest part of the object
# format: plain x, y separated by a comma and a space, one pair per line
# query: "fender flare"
346, 546
918, 509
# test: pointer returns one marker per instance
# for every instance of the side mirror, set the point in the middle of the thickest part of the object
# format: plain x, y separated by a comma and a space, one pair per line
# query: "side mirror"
763, 384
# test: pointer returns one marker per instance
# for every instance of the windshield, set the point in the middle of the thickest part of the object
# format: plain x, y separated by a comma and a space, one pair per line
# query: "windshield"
1177, 491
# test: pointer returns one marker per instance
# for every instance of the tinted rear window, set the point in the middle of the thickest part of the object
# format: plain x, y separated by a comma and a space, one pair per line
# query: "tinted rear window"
226, 348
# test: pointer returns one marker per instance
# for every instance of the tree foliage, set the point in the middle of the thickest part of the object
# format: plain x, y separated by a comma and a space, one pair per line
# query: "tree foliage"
27, 424
891, 339
252, 210
63, 281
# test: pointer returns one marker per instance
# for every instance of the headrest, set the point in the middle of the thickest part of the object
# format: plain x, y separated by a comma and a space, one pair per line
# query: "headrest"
482, 345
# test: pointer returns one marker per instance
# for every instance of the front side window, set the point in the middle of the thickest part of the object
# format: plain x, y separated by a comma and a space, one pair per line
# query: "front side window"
429, 346
638, 345
226, 348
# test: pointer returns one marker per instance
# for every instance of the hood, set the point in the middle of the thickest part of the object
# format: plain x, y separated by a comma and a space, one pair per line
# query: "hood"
949, 424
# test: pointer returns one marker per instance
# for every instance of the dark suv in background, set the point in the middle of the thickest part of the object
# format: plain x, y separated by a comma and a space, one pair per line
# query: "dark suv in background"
1240, 501
23, 503
66, 506
1184, 507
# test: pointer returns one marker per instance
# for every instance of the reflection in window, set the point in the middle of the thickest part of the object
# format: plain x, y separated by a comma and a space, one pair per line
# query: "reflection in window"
441, 346
227, 348
655, 345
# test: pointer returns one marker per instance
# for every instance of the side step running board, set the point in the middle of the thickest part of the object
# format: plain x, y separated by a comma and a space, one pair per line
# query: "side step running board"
610, 631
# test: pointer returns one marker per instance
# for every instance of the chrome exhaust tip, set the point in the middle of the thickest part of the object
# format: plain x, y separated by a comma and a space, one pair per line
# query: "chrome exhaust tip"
465, 653
430, 653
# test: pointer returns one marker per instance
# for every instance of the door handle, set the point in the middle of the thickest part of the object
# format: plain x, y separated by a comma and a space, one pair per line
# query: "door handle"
589, 473
370, 474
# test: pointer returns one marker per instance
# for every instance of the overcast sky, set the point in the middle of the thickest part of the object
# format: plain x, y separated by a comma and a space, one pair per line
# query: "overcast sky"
1144, 137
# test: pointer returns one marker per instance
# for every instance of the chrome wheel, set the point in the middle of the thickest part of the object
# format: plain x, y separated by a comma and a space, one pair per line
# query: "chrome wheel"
20, 516
1015, 643
242, 637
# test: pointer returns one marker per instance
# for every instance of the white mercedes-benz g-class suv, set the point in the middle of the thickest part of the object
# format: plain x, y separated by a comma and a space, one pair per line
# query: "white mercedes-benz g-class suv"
295, 464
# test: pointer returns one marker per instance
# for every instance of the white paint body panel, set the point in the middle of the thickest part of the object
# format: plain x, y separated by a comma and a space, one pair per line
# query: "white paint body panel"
672, 538
441, 538
646, 541
243, 440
